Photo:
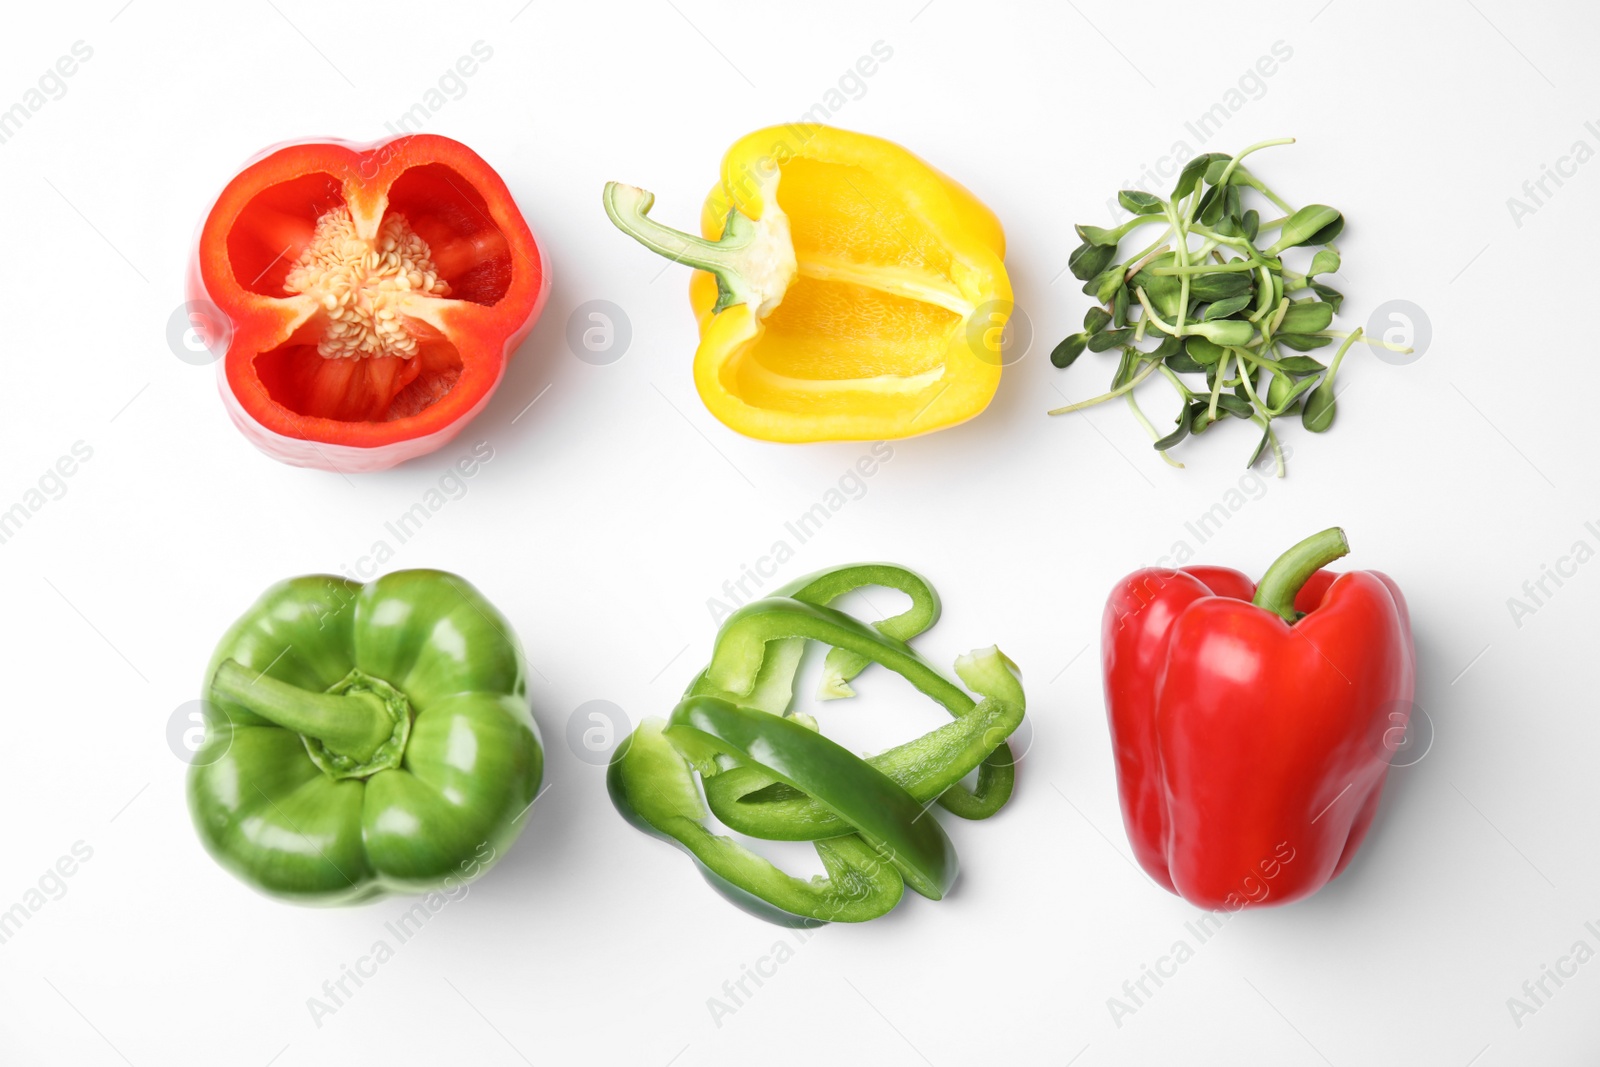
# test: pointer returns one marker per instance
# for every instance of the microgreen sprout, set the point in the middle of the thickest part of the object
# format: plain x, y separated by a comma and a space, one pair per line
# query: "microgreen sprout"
1213, 294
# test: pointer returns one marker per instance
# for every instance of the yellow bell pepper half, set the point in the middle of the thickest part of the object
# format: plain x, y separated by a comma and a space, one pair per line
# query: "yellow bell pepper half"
846, 290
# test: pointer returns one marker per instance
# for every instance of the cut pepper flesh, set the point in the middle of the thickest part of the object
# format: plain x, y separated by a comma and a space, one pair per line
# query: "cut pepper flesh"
889, 322
374, 293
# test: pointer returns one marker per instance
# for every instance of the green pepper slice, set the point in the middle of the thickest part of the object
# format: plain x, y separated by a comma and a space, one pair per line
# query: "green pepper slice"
883, 814
769, 774
752, 801
653, 786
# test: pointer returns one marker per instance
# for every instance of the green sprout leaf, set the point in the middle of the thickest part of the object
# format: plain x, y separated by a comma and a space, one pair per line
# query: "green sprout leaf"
1096, 235
1302, 342
1219, 285
1125, 368
1235, 405
1183, 363
1329, 233
1301, 365
1088, 260
1278, 391
1305, 226
1106, 340
1164, 291
1224, 332
1140, 203
1063, 354
1193, 171
1307, 317
1329, 295
1283, 397
1231, 306
1218, 164
1202, 351
1169, 346
1266, 436
1176, 435
1318, 413
1105, 284
1119, 308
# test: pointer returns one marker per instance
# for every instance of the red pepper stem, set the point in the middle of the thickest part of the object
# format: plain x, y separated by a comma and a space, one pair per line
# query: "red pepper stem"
1282, 582
351, 724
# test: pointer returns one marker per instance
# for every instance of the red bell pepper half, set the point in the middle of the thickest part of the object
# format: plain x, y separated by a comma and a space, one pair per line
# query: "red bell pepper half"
1252, 725
373, 295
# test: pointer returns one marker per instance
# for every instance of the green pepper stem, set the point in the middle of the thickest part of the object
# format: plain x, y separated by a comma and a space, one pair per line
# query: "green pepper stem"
753, 261
629, 206
1282, 582
352, 724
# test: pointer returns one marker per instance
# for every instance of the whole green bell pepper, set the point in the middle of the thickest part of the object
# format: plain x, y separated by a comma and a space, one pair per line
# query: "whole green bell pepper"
365, 739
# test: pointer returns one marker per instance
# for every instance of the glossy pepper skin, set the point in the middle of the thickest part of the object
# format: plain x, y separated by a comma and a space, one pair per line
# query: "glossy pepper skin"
441, 349
846, 289
365, 739
767, 771
1251, 749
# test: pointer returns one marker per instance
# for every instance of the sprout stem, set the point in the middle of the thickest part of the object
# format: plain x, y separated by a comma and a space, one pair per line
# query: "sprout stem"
1206, 268
1155, 435
1103, 397
1216, 386
1358, 335
1177, 383
1227, 171
1139, 263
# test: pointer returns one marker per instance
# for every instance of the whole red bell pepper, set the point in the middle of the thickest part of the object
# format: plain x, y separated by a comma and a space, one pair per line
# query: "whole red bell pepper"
1253, 725
369, 297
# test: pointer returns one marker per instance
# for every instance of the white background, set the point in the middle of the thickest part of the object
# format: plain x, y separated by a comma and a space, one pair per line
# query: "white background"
616, 506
